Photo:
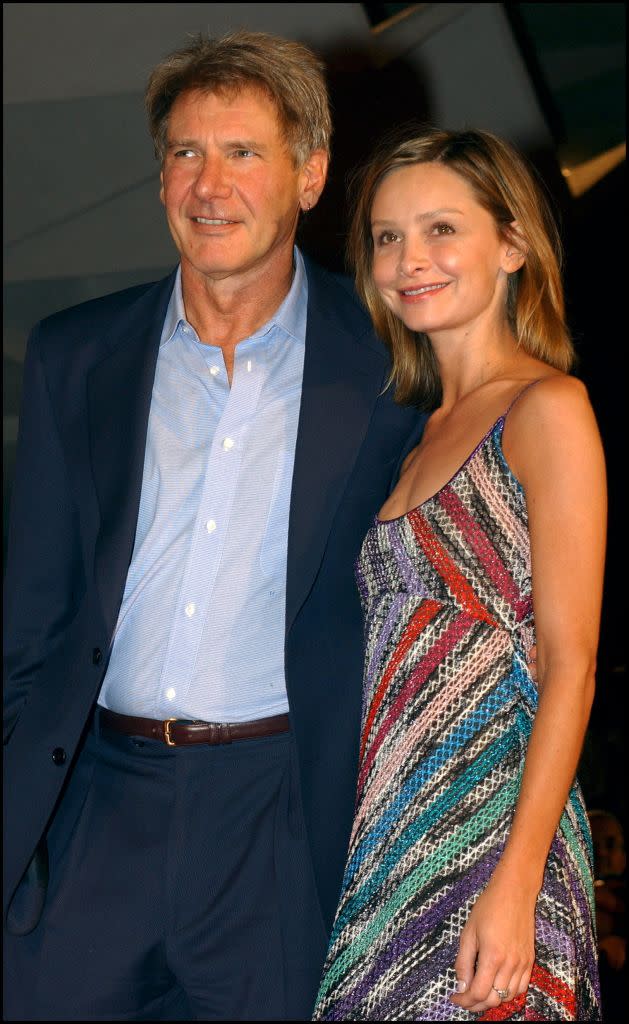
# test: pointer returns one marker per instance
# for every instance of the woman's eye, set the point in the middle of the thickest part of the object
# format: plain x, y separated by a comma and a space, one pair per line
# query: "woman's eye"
386, 237
443, 229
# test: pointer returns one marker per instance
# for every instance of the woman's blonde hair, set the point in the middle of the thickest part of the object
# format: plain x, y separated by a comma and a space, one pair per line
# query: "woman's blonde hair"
505, 186
290, 74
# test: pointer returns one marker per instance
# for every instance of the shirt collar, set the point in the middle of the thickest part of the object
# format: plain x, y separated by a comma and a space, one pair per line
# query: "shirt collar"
290, 316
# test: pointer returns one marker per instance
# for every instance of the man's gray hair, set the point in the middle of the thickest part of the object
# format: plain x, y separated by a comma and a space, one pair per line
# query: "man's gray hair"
290, 74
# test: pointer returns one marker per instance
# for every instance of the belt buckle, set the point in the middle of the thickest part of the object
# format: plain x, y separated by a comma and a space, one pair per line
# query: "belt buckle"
168, 740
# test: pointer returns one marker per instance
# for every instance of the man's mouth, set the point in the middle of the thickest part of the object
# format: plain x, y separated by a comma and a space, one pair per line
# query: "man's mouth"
212, 221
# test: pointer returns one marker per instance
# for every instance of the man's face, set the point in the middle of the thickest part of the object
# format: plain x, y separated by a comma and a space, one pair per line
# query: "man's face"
230, 187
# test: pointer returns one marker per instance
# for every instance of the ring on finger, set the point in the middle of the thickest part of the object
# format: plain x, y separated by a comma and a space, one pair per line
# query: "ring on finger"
503, 993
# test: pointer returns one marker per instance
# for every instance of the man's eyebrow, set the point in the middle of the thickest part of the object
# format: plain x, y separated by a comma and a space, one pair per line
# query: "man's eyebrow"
225, 144
243, 144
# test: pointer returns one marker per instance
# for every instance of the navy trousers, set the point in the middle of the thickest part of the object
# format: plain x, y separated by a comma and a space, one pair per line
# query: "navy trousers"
181, 888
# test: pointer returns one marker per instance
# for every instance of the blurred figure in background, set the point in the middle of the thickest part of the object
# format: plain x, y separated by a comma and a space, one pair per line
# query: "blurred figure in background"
610, 893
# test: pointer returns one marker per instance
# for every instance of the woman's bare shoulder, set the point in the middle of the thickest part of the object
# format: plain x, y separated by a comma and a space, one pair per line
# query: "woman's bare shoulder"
552, 421
552, 399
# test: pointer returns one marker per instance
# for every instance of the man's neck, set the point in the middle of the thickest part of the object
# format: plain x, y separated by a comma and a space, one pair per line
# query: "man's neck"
224, 311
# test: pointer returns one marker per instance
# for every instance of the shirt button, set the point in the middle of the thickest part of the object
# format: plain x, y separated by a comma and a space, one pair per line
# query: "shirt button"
190, 609
59, 756
171, 693
210, 526
228, 443
214, 370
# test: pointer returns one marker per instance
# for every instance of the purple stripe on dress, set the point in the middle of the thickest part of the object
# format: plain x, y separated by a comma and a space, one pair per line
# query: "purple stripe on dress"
472, 882
361, 581
435, 965
392, 618
585, 935
552, 937
414, 583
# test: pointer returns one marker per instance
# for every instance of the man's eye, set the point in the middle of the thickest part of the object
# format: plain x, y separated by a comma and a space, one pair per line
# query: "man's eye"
243, 152
184, 152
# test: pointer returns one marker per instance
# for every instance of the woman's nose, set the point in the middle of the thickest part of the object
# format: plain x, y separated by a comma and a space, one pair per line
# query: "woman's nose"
413, 259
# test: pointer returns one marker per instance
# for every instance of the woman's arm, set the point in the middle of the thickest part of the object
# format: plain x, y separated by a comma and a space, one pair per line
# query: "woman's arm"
552, 444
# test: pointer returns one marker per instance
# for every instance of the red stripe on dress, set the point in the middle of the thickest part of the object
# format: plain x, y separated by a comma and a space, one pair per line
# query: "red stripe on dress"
441, 561
554, 987
545, 982
480, 545
426, 611
441, 647
505, 1010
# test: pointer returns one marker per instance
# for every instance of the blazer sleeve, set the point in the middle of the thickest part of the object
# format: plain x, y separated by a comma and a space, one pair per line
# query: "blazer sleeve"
44, 569
412, 440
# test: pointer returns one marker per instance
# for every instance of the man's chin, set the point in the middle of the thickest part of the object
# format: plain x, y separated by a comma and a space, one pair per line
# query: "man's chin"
243, 265
213, 269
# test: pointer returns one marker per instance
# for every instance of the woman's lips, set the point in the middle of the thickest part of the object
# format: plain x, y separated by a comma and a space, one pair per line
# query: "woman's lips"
425, 291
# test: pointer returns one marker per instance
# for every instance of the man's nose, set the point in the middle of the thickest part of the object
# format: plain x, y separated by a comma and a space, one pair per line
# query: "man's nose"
213, 179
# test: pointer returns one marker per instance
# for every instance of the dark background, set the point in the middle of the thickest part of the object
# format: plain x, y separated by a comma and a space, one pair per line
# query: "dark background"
82, 216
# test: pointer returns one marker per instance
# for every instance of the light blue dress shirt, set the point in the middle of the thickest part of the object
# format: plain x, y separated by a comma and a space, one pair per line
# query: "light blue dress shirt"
200, 633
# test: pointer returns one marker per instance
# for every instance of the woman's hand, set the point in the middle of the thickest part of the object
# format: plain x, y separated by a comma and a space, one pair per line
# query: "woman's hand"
497, 947
531, 661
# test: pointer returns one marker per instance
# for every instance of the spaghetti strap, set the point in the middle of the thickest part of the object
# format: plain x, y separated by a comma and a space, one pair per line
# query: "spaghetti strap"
519, 394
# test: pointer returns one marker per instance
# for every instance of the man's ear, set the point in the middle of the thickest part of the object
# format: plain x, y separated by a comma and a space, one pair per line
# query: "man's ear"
313, 176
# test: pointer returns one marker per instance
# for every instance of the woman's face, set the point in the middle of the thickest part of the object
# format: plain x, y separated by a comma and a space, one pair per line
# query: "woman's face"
438, 262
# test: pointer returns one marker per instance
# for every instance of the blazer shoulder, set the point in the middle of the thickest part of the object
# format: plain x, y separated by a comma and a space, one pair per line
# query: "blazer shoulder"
334, 302
335, 294
100, 314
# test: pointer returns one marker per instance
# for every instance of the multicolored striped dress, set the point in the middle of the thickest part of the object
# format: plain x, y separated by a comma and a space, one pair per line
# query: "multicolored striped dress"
448, 706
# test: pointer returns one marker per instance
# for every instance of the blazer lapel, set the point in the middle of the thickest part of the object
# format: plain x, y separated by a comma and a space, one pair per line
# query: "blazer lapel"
119, 392
343, 377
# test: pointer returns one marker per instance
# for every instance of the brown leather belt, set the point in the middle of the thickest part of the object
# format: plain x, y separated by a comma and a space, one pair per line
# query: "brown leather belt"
176, 733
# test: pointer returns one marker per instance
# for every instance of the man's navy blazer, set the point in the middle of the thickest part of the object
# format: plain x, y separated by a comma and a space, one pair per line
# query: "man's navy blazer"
87, 390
